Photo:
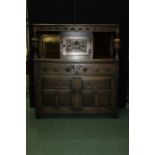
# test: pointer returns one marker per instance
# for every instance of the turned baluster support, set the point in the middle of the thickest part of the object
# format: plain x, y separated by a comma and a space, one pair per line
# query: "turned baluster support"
35, 44
116, 43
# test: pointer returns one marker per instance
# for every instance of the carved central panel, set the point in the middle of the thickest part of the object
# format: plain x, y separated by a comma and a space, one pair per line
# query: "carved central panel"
76, 45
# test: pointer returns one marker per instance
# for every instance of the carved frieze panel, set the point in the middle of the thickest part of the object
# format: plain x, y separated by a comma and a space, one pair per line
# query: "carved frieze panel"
76, 27
96, 69
57, 69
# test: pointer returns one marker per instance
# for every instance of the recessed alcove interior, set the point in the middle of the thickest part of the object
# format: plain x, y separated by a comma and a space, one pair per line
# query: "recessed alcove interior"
53, 44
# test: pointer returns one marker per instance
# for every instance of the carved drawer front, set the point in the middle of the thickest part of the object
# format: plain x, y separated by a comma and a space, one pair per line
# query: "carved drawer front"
50, 83
50, 68
97, 84
96, 69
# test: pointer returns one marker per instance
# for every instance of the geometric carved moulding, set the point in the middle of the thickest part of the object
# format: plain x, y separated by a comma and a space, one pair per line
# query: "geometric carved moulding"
76, 27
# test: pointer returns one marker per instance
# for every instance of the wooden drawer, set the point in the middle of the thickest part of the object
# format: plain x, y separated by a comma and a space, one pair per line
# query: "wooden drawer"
96, 69
51, 69
75, 69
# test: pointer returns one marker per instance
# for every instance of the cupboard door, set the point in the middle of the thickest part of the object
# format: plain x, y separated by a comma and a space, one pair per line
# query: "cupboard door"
65, 98
102, 99
87, 98
98, 92
54, 92
49, 99
56, 99
96, 98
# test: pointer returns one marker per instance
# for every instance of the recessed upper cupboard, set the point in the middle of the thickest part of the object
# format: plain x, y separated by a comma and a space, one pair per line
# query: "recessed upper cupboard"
103, 45
70, 45
50, 46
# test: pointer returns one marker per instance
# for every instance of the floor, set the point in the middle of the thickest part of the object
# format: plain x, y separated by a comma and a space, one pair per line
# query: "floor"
77, 136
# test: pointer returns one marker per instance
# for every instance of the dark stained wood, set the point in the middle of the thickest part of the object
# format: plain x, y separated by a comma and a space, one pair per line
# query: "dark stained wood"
76, 27
75, 86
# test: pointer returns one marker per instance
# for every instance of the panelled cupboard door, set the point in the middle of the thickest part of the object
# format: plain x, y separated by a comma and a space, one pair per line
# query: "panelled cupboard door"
75, 94
53, 94
56, 99
98, 92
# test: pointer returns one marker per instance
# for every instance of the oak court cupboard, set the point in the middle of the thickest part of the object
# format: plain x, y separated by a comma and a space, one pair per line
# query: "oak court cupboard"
75, 68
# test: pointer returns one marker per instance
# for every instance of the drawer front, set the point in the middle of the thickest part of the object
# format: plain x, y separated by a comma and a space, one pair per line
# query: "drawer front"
75, 69
50, 68
96, 69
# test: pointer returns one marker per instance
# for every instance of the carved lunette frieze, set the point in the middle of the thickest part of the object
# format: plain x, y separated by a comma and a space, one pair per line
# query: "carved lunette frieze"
95, 28
93, 69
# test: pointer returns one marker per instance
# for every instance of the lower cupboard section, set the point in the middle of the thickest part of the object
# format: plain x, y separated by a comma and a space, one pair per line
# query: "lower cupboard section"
75, 95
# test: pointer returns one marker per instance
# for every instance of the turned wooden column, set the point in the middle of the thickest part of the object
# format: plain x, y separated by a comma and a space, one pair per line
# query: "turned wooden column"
35, 44
116, 43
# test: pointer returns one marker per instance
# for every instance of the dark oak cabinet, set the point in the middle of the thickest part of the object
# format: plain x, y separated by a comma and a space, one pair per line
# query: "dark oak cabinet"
75, 69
